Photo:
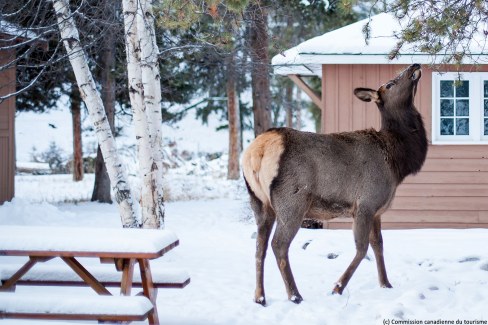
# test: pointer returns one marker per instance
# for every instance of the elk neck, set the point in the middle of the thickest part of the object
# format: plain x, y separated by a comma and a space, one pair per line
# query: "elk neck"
406, 141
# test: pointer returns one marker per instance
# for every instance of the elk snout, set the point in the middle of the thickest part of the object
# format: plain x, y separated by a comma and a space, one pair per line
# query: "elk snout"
416, 73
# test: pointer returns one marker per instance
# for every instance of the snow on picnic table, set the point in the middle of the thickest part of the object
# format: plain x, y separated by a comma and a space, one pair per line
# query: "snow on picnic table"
87, 240
436, 274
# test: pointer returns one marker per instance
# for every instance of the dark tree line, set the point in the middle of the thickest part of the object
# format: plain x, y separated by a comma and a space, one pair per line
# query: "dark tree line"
215, 50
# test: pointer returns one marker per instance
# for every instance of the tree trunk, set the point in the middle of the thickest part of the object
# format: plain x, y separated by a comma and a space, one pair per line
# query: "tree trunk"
77, 145
101, 189
145, 96
299, 109
94, 104
289, 104
261, 94
234, 120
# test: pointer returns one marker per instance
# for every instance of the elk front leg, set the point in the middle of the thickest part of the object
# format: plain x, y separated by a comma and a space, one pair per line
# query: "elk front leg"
286, 228
361, 227
265, 220
376, 241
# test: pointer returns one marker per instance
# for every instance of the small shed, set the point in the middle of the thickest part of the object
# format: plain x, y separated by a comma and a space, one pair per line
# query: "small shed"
451, 190
9, 35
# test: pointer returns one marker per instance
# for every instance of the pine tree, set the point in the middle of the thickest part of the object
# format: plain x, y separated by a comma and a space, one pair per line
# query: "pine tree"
448, 28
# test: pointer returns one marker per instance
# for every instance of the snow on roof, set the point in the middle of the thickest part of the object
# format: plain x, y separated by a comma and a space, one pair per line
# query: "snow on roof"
347, 45
14, 30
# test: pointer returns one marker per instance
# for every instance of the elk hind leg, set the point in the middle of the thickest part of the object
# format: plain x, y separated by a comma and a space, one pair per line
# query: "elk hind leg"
265, 219
289, 220
361, 227
376, 241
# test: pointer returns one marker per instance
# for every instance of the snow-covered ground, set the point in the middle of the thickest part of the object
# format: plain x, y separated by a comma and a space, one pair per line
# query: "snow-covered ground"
436, 274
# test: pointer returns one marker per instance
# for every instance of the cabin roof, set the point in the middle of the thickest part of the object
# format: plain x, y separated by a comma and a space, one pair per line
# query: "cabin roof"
10, 29
347, 45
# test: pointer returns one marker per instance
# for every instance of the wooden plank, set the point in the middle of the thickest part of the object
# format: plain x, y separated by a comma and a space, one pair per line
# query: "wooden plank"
316, 98
483, 216
86, 276
148, 288
457, 151
344, 102
442, 190
53, 316
456, 165
440, 203
330, 96
10, 283
116, 284
448, 178
127, 276
411, 225
431, 216
73, 307
428, 216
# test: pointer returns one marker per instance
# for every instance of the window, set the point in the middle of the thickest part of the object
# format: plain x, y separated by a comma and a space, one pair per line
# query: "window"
460, 108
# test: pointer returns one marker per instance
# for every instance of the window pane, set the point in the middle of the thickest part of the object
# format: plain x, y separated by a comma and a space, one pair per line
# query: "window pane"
447, 89
462, 126
462, 88
447, 126
486, 89
462, 107
447, 107
486, 107
486, 126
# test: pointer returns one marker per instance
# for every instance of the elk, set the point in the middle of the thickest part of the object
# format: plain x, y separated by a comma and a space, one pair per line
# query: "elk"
291, 175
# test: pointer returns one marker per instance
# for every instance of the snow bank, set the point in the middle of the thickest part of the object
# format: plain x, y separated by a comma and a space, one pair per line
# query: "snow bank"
435, 273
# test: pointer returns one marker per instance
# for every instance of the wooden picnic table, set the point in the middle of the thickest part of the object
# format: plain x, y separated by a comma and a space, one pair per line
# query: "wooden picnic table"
123, 247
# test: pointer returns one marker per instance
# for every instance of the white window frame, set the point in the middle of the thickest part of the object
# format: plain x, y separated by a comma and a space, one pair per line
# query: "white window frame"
476, 109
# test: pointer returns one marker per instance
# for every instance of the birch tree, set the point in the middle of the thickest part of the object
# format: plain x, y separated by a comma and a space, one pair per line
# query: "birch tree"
145, 97
91, 97
152, 102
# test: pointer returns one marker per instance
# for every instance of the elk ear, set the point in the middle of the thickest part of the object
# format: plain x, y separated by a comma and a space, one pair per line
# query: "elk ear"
366, 94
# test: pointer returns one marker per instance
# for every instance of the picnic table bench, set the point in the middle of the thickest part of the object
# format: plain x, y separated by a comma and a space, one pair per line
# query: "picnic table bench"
121, 247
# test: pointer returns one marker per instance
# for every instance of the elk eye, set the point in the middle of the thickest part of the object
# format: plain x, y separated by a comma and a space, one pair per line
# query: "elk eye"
389, 85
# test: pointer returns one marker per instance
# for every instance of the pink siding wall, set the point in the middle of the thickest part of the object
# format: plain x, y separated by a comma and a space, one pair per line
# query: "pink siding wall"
452, 188
7, 142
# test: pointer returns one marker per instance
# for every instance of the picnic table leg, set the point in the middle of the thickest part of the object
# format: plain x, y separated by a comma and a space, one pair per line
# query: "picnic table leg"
148, 289
127, 276
86, 276
9, 285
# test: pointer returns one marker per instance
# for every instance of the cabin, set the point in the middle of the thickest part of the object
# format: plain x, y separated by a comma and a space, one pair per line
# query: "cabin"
9, 35
451, 190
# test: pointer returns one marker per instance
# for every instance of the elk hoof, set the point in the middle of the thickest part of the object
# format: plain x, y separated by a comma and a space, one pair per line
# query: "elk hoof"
296, 299
260, 300
338, 289
386, 285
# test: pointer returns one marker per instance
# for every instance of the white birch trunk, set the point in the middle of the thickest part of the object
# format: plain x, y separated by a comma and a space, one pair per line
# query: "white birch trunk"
152, 102
91, 97
149, 197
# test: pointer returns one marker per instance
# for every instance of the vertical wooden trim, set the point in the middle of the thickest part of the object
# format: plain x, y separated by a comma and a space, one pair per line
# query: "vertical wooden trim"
148, 288
323, 106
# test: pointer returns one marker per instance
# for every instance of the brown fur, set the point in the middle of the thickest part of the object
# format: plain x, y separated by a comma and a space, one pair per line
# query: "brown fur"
260, 163
292, 175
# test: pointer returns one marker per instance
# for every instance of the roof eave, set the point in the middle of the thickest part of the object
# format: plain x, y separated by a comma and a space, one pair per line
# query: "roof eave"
305, 59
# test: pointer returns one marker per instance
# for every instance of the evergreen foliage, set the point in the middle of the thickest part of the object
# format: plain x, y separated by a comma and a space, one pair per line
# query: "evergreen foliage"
442, 27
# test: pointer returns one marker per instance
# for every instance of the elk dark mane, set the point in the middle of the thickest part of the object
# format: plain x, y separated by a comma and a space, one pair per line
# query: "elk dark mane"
406, 143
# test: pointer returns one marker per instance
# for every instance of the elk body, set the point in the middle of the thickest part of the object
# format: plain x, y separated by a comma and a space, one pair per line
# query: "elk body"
292, 175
